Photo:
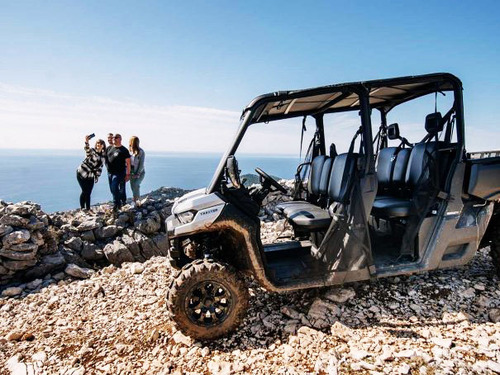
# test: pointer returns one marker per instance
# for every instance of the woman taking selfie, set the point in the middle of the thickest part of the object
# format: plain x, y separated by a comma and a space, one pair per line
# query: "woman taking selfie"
89, 171
137, 167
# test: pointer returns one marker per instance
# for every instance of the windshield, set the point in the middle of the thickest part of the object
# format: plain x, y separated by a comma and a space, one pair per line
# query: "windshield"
231, 150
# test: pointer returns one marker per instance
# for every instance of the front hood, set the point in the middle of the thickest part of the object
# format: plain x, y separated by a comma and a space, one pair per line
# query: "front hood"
195, 201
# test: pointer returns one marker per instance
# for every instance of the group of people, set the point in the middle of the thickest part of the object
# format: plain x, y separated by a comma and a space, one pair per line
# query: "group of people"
123, 165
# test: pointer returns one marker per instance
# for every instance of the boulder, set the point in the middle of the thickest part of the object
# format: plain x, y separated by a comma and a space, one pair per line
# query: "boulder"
37, 238
88, 236
18, 255
18, 265
340, 295
494, 315
150, 225
14, 221
162, 243
322, 314
47, 264
106, 232
89, 225
23, 208
91, 252
74, 243
35, 224
78, 272
12, 291
22, 247
133, 246
18, 236
5, 229
117, 253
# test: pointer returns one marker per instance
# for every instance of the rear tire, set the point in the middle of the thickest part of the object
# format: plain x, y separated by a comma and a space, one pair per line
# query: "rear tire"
207, 300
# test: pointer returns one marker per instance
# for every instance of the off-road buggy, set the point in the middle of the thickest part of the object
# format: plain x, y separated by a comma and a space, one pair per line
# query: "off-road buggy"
385, 206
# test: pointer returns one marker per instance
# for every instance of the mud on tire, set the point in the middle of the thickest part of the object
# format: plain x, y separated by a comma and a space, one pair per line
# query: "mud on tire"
207, 300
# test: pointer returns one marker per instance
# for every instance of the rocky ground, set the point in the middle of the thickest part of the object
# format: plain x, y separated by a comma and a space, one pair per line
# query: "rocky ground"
115, 321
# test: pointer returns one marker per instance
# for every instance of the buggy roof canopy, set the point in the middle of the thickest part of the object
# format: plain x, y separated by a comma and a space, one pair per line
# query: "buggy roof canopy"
383, 94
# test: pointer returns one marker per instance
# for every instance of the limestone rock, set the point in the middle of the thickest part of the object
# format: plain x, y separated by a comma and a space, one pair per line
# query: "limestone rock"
88, 236
106, 232
150, 225
494, 315
18, 265
89, 225
5, 229
91, 252
16, 237
78, 272
22, 247
18, 255
14, 221
322, 314
340, 295
12, 291
117, 253
46, 265
133, 246
74, 243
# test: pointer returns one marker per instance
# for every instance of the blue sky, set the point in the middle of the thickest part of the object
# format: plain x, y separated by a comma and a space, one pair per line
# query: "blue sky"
68, 66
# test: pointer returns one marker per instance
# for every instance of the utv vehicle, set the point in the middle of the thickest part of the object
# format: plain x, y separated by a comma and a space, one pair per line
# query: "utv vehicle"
386, 206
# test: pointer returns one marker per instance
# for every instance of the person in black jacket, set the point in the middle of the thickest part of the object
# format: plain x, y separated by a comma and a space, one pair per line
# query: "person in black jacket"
118, 161
89, 170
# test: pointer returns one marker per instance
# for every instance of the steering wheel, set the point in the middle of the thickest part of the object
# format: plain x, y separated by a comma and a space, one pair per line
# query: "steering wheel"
271, 181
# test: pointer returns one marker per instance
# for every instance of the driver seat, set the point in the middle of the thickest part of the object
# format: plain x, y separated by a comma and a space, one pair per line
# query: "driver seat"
317, 185
311, 218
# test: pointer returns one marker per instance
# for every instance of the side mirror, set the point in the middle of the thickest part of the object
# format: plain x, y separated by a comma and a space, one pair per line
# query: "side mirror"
434, 123
393, 131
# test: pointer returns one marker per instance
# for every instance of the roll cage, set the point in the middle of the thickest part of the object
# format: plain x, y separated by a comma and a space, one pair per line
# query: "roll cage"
364, 96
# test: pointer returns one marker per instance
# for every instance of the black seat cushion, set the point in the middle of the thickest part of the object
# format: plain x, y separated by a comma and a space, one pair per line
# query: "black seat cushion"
310, 218
390, 207
286, 207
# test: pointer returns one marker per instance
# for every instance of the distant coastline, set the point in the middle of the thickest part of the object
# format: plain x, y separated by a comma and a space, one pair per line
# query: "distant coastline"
48, 177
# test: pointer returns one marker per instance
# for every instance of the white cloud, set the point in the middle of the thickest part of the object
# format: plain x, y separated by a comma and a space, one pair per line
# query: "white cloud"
33, 118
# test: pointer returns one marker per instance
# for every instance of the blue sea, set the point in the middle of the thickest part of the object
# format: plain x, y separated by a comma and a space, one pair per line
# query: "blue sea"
48, 177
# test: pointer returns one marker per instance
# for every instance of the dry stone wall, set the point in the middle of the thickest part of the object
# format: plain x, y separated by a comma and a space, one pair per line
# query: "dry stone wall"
34, 244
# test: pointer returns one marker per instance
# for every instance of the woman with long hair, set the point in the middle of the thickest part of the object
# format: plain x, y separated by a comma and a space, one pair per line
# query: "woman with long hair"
89, 170
137, 172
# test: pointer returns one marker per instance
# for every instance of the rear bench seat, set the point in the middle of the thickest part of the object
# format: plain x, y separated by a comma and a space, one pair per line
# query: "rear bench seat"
310, 217
395, 198
395, 201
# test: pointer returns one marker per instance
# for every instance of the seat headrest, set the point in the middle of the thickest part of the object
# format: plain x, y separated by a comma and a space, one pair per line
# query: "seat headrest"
333, 150
434, 123
393, 131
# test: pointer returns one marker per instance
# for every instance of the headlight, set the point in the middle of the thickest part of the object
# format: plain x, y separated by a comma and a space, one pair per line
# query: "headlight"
186, 217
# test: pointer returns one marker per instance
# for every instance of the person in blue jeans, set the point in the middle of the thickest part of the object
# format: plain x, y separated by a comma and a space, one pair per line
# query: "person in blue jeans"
118, 159
137, 168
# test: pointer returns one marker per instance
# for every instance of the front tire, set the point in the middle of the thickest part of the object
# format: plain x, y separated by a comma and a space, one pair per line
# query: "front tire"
207, 300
